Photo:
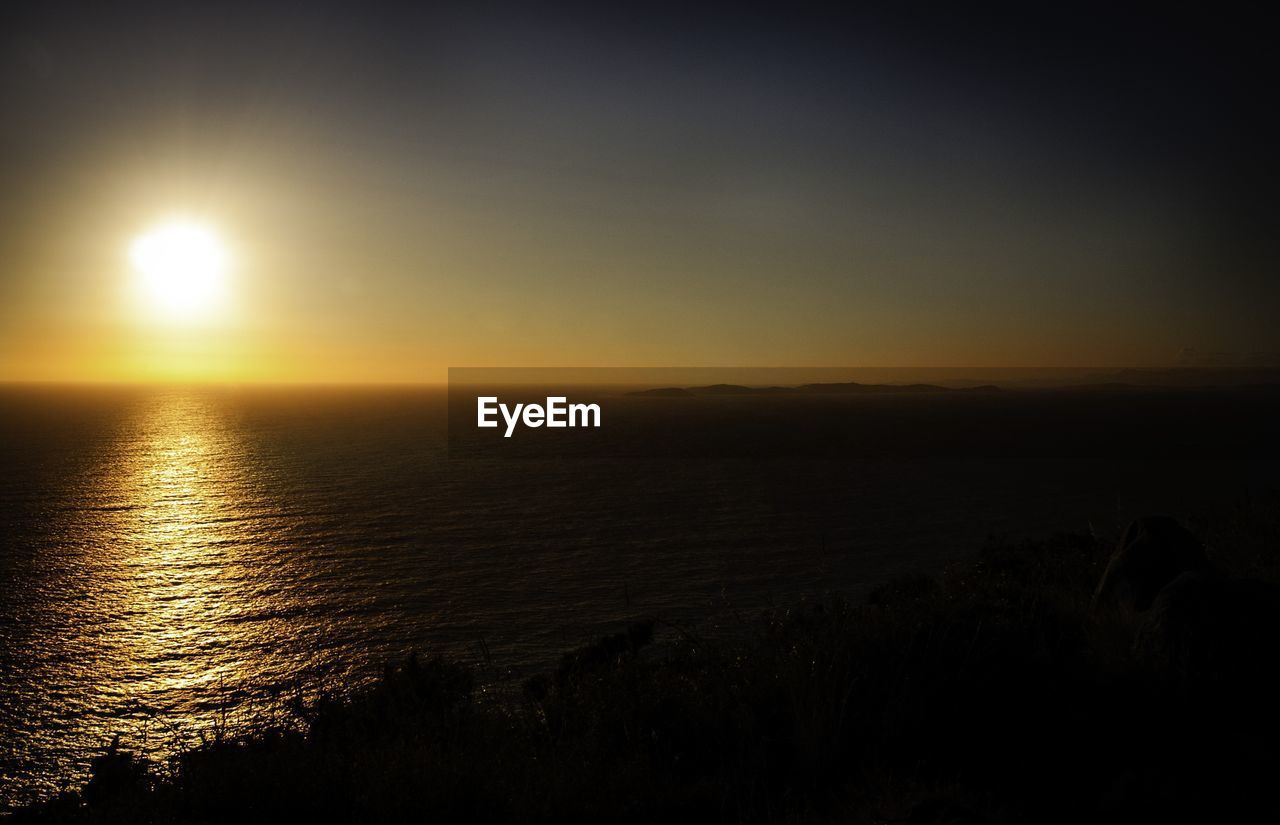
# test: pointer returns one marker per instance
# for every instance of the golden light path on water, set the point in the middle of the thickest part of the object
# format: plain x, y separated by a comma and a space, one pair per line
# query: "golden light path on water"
180, 501
164, 615
183, 558
183, 494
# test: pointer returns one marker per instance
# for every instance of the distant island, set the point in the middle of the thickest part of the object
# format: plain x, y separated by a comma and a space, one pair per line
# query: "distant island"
843, 388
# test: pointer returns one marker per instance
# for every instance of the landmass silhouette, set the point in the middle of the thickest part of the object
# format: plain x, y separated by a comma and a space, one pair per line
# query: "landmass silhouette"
840, 388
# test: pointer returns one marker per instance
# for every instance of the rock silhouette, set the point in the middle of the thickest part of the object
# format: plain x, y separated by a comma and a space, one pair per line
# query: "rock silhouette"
1205, 634
1153, 551
1206, 631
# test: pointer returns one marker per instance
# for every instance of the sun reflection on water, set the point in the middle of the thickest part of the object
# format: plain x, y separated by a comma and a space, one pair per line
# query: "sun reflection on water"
189, 557
182, 500
177, 578
150, 608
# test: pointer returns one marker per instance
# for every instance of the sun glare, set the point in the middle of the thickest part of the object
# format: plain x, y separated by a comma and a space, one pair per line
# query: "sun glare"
182, 267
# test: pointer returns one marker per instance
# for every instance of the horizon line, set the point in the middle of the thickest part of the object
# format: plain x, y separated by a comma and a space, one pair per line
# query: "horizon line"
407, 383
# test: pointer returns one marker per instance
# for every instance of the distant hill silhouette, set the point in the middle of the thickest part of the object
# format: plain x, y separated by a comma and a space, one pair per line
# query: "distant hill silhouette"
738, 389
1175, 377
851, 387
844, 388
664, 392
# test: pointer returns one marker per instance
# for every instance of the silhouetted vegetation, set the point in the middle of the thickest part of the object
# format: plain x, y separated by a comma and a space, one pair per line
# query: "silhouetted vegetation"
992, 692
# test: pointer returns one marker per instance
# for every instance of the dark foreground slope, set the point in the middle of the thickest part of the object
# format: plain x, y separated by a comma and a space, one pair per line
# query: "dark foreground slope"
993, 692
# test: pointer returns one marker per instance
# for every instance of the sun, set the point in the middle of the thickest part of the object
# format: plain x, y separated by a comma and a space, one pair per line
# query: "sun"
182, 268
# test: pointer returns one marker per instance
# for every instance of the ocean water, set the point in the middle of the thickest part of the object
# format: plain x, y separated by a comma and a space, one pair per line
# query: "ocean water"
174, 557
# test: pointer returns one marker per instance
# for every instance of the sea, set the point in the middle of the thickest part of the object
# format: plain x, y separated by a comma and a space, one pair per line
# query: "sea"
177, 560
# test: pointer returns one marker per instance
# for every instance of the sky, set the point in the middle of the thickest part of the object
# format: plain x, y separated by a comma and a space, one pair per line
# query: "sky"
402, 189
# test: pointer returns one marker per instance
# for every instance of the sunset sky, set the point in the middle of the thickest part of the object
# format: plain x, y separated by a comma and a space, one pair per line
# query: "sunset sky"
393, 192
